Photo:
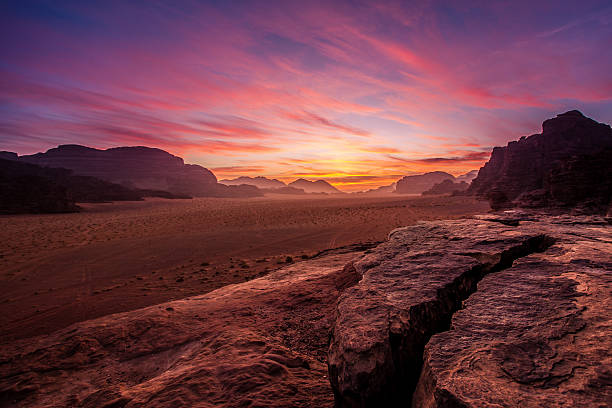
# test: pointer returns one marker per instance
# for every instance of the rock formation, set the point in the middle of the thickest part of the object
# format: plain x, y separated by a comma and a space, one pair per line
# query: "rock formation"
258, 343
382, 190
319, 186
259, 182
564, 166
284, 190
139, 168
533, 333
422, 182
446, 187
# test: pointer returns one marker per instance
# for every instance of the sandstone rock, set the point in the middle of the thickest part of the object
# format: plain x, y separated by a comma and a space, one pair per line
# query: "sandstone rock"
534, 332
411, 286
261, 343
534, 335
467, 177
561, 167
422, 182
446, 187
137, 168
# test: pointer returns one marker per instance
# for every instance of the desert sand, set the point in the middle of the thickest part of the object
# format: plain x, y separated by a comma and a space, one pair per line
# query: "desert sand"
116, 257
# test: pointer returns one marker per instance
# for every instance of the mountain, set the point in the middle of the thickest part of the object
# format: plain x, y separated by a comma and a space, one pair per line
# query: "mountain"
379, 190
422, 182
138, 167
259, 182
319, 186
569, 164
446, 187
467, 177
284, 190
28, 188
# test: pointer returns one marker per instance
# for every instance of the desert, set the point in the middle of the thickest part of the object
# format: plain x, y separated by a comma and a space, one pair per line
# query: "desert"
279, 204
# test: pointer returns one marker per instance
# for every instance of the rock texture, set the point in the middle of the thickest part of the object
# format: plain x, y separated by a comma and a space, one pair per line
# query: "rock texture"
522, 337
261, 343
446, 187
316, 187
138, 168
564, 166
418, 184
534, 335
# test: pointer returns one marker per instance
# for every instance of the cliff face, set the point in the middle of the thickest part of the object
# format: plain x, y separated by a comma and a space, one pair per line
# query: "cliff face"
446, 187
422, 182
552, 168
134, 167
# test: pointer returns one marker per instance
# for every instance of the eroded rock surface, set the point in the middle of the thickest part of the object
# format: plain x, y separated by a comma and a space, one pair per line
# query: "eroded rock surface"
261, 343
538, 334
413, 284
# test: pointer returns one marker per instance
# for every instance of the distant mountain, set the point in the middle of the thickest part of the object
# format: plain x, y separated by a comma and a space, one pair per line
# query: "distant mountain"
422, 182
446, 187
319, 186
259, 182
380, 190
138, 167
568, 165
467, 177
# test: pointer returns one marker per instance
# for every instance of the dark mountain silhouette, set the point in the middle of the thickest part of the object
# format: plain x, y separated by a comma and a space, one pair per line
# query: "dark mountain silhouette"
138, 167
319, 186
259, 182
422, 182
28, 188
569, 164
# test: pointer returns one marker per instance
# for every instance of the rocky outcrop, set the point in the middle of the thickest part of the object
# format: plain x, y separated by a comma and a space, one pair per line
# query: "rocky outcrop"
259, 182
561, 167
316, 187
413, 285
534, 335
446, 187
258, 343
137, 168
284, 190
422, 182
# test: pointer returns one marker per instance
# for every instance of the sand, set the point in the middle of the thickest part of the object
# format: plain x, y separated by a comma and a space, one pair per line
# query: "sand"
60, 269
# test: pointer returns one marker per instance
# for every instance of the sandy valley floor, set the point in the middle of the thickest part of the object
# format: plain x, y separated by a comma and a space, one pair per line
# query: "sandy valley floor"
59, 269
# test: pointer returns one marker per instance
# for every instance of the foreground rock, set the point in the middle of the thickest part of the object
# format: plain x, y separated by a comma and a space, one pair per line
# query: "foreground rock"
524, 336
535, 335
259, 343
568, 165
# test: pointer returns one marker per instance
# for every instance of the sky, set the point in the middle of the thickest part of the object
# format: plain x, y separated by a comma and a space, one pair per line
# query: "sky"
357, 93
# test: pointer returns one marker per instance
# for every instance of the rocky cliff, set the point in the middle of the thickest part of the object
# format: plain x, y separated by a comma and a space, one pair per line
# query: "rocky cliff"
564, 166
422, 182
137, 167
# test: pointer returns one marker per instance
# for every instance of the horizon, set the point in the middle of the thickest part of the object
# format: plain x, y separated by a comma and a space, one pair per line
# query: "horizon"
356, 94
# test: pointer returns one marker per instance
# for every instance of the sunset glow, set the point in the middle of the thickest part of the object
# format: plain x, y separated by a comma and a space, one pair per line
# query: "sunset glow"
357, 93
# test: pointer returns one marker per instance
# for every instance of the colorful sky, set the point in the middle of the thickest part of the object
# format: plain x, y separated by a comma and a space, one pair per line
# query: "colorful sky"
357, 93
